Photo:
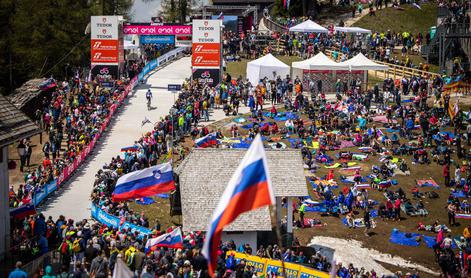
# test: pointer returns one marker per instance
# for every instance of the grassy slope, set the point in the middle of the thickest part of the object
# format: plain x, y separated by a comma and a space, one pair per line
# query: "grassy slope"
410, 19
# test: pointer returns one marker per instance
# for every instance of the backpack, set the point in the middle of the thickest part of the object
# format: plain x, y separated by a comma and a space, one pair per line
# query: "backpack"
64, 248
76, 246
432, 195
131, 258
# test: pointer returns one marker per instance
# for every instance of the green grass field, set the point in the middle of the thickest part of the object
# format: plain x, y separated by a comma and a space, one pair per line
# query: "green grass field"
410, 19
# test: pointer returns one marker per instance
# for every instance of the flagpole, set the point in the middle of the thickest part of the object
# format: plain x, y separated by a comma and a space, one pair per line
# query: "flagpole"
275, 212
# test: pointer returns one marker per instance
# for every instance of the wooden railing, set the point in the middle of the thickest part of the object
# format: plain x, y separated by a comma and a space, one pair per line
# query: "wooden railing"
394, 71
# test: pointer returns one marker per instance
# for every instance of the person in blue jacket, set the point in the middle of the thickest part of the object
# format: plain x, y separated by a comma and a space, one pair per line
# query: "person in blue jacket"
18, 272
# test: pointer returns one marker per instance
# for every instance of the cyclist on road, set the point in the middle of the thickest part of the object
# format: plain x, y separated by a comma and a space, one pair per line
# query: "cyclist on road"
149, 98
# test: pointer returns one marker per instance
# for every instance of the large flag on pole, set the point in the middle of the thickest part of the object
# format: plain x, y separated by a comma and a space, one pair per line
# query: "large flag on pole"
143, 183
453, 110
173, 239
248, 189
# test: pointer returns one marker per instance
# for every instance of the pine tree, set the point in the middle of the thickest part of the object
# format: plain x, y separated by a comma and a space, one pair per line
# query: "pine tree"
42, 36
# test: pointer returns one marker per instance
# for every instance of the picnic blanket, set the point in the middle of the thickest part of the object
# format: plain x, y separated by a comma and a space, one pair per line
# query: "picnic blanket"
382, 119
247, 126
358, 222
354, 168
402, 238
229, 140
458, 194
278, 145
241, 145
350, 179
292, 115
239, 120
427, 183
331, 183
346, 144
294, 142
145, 201
359, 157
336, 165
317, 208
163, 196
280, 118
366, 149
363, 186
310, 222
450, 134
463, 216
430, 241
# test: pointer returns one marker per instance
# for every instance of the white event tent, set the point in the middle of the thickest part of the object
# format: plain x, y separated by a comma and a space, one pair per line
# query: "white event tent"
356, 30
308, 26
267, 66
318, 62
360, 62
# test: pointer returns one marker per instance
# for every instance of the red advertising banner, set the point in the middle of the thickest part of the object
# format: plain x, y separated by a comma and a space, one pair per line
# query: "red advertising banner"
100, 45
104, 56
104, 51
206, 55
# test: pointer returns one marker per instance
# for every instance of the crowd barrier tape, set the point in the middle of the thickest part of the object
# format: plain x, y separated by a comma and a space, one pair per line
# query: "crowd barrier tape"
114, 222
52, 186
264, 266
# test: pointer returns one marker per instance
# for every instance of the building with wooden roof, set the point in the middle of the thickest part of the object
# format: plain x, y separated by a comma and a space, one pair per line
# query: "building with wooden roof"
205, 173
14, 125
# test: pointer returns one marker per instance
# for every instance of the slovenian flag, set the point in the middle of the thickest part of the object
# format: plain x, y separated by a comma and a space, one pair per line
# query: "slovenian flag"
206, 141
173, 239
143, 183
248, 189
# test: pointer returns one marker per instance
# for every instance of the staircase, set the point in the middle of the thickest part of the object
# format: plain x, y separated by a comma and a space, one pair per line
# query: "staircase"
451, 40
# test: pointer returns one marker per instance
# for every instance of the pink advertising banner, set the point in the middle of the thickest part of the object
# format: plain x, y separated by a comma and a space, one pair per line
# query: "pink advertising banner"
157, 30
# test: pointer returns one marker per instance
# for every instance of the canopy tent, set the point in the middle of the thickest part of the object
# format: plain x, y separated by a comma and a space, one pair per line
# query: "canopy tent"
318, 62
267, 66
360, 62
308, 26
356, 30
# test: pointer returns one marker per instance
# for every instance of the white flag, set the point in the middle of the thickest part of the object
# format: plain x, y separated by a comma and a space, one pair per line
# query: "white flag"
121, 270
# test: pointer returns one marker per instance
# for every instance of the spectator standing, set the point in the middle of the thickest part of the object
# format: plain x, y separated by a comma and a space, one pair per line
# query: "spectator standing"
18, 272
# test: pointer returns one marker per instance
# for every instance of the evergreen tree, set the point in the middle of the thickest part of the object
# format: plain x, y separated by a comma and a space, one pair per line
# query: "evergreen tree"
41, 37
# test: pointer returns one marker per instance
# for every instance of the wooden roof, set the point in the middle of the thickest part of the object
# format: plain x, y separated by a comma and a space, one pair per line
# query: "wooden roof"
14, 125
204, 175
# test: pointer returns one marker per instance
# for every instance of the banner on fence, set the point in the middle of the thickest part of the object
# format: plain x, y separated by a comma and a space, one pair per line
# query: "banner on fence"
113, 221
265, 266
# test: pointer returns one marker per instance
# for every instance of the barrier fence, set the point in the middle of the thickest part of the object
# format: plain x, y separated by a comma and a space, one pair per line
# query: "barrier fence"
54, 185
112, 221
264, 266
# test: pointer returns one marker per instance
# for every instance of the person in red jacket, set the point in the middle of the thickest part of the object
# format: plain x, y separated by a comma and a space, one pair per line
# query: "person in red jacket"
397, 209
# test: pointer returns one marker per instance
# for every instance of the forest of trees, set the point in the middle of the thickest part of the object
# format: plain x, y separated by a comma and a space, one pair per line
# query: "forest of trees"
42, 38
47, 37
